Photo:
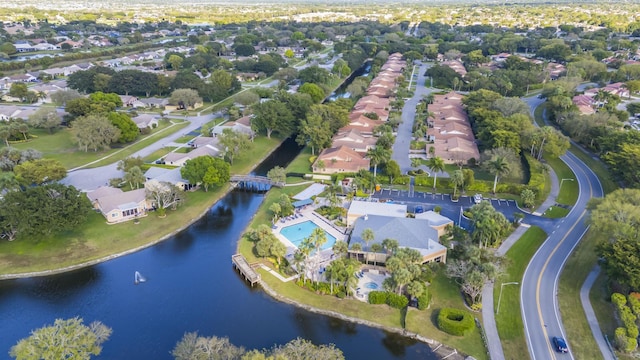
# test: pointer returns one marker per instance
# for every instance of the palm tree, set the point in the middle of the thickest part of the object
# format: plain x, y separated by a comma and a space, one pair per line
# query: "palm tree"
375, 248
457, 179
340, 248
367, 236
378, 155
499, 167
436, 164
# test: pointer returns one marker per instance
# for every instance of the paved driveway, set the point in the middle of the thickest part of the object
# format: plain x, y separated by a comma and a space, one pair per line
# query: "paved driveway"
91, 179
404, 133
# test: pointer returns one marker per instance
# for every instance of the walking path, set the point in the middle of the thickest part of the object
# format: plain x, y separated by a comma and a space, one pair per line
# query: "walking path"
551, 199
591, 315
488, 315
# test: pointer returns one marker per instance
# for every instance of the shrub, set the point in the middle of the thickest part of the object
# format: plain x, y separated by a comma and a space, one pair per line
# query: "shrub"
618, 300
437, 209
341, 294
397, 301
455, 321
634, 304
424, 300
378, 297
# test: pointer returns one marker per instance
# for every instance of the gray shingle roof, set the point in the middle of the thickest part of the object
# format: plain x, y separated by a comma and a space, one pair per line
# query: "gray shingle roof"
411, 233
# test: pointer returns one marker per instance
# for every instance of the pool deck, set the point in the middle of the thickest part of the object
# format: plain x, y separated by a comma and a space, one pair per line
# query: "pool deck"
369, 275
306, 214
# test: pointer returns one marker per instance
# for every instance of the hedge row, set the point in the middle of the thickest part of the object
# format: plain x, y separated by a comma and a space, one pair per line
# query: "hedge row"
424, 300
628, 312
455, 321
384, 297
536, 174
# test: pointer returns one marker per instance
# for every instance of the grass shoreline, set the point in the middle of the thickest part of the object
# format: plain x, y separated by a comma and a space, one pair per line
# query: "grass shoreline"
197, 206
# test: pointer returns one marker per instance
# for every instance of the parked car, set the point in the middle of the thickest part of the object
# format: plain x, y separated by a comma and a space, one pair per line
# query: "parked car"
560, 345
477, 198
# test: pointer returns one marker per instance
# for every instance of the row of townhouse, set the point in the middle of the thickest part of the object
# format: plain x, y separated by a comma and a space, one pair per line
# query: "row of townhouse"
352, 142
450, 131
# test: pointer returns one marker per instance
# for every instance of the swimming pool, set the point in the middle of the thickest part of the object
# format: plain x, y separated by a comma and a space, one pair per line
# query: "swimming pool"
371, 285
298, 232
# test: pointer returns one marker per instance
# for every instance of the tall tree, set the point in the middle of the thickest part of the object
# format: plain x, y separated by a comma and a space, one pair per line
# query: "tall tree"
43, 210
39, 171
498, 166
272, 116
436, 164
65, 339
45, 118
94, 132
314, 132
234, 143
457, 179
134, 176
185, 98
378, 155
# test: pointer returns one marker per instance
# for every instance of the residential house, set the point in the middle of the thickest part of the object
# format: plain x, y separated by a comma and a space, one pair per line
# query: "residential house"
340, 159
455, 150
172, 176
154, 103
619, 89
179, 159
144, 121
410, 233
242, 125
354, 140
457, 66
118, 206
128, 100
586, 105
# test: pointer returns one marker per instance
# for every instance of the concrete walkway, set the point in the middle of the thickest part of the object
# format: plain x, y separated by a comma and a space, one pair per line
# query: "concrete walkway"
488, 315
591, 315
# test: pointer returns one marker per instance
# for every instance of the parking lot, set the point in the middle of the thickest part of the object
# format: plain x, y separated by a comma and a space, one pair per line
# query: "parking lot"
453, 209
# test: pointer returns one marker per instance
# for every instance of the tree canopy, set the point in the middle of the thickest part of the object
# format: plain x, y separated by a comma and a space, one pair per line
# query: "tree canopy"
65, 339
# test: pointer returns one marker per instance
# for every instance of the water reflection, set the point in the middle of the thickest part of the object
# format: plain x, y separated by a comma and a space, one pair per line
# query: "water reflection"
191, 286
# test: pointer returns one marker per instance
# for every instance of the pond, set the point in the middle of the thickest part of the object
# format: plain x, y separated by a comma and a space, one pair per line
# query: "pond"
190, 286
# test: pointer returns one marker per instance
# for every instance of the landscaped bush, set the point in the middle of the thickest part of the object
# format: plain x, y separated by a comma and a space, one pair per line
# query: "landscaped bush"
536, 171
480, 187
401, 180
397, 301
455, 321
378, 297
424, 300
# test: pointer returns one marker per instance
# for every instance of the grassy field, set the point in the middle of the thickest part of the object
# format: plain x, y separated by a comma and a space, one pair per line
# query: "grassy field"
301, 163
569, 186
509, 319
95, 239
59, 146
556, 212
608, 184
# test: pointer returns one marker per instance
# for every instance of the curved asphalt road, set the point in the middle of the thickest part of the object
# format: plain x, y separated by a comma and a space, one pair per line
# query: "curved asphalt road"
539, 305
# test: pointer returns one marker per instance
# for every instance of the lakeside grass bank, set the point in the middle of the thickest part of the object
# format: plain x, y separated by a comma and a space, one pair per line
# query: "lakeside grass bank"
96, 241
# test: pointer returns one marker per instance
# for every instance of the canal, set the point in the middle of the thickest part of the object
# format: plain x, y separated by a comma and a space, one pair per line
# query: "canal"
191, 286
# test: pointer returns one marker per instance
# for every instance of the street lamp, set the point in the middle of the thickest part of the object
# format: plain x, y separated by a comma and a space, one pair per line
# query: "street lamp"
500, 297
562, 181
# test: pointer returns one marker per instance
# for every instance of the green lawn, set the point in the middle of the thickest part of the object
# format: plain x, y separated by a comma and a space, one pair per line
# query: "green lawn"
96, 240
301, 163
556, 212
184, 139
158, 154
446, 293
569, 188
59, 146
509, 319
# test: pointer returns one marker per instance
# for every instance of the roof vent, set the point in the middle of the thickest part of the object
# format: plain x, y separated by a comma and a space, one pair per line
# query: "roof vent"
366, 217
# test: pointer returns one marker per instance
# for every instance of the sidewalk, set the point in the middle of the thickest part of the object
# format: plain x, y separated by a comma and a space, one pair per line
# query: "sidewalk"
591, 315
488, 315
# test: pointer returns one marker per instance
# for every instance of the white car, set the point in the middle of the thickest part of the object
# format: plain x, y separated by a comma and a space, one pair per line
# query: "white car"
477, 198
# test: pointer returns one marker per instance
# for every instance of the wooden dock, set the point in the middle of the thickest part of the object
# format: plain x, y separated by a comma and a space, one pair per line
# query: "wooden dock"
241, 264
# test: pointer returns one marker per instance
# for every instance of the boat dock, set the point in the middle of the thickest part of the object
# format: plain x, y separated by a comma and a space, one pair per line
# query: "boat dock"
249, 273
